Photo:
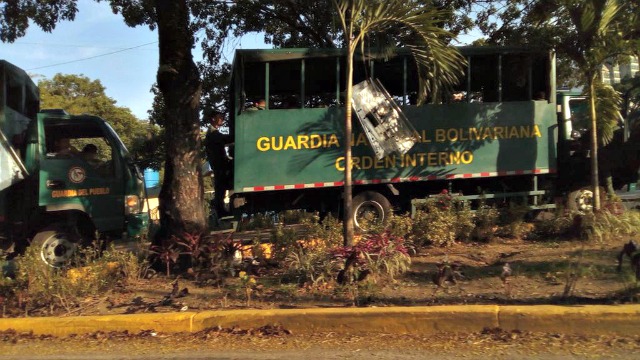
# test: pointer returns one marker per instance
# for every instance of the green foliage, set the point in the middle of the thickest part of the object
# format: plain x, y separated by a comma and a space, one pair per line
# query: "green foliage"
78, 94
398, 225
513, 218
441, 221
258, 221
297, 216
283, 241
41, 286
608, 103
600, 226
329, 229
310, 264
418, 28
486, 222
16, 16
605, 225
563, 224
309, 260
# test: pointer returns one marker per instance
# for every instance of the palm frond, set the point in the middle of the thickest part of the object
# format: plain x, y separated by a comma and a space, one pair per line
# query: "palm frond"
420, 30
608, 102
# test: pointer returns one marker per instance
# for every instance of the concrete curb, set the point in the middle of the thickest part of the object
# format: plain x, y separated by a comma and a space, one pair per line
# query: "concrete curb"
425, 320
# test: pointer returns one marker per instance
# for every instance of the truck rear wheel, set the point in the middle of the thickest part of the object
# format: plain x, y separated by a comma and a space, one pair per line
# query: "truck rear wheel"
57, 245
370, 208
581, 200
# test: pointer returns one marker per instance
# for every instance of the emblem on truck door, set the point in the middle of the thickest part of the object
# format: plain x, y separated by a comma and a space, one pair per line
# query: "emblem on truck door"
77, 174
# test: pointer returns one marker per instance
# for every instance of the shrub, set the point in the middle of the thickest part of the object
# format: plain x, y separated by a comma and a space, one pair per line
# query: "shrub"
310, 265
601, 226
486, 220
309, 260
41, 286
436, 223
283, 241
513, 218
558, 226
258, 221
464, 224
380, 255
329, 229
298, 216
442, 220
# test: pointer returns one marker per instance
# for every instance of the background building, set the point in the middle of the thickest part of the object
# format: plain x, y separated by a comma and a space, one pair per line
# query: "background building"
613, 74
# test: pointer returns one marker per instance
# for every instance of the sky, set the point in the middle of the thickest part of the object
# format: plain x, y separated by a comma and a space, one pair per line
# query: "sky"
100, 46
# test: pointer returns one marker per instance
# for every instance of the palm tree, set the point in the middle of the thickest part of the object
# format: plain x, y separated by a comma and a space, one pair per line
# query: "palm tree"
419, 29
589, 36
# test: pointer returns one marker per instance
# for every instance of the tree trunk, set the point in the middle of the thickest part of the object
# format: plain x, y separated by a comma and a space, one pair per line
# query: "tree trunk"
594, 144
348, 199
181, 196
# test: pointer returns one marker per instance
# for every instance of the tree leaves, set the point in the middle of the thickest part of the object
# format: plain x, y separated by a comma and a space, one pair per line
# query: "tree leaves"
16, 14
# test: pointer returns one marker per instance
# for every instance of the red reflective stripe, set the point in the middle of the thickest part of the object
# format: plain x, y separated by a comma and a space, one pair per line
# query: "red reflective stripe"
399, 179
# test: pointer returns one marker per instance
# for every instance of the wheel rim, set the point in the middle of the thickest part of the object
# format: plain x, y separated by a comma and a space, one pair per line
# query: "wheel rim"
368, 213
584, 200
57, 250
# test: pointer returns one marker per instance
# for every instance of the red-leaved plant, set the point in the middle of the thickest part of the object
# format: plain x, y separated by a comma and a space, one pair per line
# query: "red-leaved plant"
376, 254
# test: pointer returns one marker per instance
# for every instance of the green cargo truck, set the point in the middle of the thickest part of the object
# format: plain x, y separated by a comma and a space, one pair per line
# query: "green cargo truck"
64, 179
498, 134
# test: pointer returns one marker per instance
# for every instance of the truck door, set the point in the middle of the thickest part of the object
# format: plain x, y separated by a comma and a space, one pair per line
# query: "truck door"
80, 170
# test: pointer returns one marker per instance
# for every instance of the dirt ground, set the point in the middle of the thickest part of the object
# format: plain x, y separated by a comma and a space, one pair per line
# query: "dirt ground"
540, 273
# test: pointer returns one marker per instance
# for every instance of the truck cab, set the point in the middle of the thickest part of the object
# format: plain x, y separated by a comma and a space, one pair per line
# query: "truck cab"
71, 179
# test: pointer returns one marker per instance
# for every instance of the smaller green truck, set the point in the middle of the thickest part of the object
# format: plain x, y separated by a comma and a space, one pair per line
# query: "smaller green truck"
64, 179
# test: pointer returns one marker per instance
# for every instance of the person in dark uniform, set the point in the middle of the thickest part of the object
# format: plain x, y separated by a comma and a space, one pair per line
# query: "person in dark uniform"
215, 143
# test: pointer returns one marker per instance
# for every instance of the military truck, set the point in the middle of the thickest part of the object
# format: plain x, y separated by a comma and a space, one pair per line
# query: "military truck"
64, 179
499, 135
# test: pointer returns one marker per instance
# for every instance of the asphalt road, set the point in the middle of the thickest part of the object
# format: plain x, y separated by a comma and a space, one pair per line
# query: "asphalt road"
494, 344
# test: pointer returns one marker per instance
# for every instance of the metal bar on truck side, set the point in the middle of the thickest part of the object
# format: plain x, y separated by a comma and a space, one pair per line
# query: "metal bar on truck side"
468, 79
404, 81
499, 78
302, 71
337, 80
266, 86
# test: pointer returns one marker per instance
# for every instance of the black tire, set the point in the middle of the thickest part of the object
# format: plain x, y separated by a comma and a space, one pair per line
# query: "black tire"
370, 207
57, 245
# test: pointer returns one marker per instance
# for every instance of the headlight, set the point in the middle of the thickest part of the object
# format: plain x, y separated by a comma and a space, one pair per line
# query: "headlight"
132, 204
575, 134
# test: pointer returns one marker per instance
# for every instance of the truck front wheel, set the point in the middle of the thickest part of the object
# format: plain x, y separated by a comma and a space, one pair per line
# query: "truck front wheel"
56, 245
370, 208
